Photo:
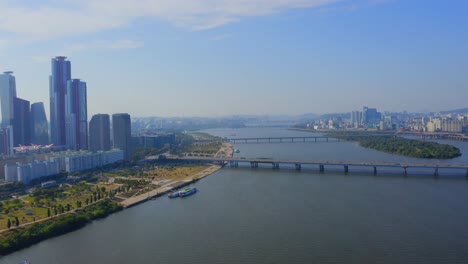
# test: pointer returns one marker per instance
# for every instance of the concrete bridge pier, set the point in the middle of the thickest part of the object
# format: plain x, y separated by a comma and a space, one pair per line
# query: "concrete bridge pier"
346, 169
375, 170
436, 172
298, 167
322, 168
275, 166
253, 164
234, 164
404, 171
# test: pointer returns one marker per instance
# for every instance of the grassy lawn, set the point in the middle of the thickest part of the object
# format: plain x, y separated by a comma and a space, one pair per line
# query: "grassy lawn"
176, 173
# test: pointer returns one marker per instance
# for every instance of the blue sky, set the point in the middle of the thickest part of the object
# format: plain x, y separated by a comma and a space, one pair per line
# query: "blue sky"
227, 57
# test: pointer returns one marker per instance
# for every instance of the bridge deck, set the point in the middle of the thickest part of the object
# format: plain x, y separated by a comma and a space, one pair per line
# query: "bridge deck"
327, 162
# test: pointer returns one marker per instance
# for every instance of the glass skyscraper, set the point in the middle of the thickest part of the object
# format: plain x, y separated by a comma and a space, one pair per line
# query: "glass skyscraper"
39, 125
61, 74
21, 122
76, 115
99, 133
7, 95
122, 134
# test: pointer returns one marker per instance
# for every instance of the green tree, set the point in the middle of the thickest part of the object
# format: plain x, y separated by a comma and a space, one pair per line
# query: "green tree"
103, 189
55, 210
9, 223
68, 207
17, 221
48, 212
99, 196
87, 201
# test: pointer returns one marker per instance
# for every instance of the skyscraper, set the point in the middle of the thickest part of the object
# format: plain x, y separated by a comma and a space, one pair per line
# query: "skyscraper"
6, 140
76, 115
61, 73
7, 95
39, 125
21, 122
122, 135
99, 132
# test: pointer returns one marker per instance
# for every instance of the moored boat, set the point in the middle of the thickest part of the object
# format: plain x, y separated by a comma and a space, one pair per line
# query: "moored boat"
173, 195
187, 191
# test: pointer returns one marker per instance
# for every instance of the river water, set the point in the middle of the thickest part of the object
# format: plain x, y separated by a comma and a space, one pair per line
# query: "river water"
244, 215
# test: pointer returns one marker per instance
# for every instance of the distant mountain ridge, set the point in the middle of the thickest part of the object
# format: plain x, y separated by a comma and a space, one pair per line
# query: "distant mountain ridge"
457, 111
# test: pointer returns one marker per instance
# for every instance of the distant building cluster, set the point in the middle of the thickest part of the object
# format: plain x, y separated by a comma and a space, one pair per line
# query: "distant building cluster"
69, 161
370, 118
23, 125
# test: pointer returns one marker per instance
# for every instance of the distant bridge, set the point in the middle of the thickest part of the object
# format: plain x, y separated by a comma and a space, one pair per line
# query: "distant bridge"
321, 164
284, 139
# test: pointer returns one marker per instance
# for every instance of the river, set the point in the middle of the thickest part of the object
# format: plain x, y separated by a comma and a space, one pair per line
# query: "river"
243, 215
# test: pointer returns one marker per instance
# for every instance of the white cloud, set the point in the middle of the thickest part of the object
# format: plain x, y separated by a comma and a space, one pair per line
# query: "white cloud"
100, 45
87, 16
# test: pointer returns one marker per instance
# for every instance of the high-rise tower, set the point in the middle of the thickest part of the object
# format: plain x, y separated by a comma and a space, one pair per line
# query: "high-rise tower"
99, 132
121, 130
7, 95
21, 122
61, 73
39, 125
76, 117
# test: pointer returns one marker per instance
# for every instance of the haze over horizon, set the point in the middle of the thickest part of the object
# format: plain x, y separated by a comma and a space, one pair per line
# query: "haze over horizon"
276, 57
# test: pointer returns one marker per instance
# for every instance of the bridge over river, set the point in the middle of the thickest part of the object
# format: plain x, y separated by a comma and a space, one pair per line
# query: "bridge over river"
283, 139
322, 164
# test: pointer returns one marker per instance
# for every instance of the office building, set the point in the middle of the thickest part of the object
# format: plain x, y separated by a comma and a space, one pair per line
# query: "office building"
39, 125
99, 132
6, 140
153, 140
61, 74
21, 122
370, 116
76, 115
7, 95
121, 131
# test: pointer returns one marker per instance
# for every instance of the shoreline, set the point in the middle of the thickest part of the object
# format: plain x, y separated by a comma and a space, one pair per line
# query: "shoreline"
133, 201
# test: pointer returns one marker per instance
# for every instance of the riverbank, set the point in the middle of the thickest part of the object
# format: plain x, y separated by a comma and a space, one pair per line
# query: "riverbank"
173, 183
169, 186
153, 179
22, 237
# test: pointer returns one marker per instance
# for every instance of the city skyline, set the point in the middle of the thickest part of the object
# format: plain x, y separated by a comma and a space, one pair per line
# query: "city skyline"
410, 58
